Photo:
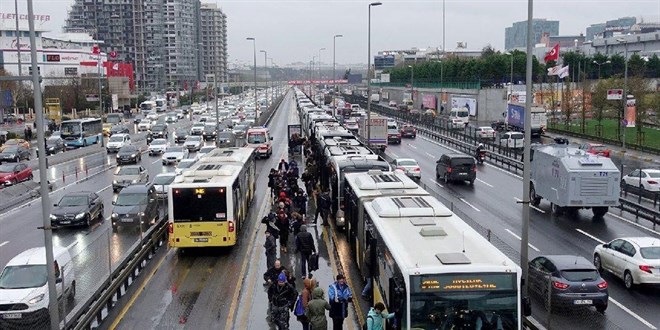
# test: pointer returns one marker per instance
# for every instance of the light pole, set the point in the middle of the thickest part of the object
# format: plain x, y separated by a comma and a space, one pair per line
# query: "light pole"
265, 72
599, 64
373, 4
311, 78
412, 82
320, 49
334, 75
256, 105
625, 95
511, 79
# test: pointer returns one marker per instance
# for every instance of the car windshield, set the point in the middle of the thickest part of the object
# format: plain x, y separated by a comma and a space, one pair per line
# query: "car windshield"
517, 136
240, 127
128, 149
11, 143
73, 201
128, 171
226, 135
651, 252
7, 168
23, 276
117, 128
163, 179
52, 142
174, 149
580, 275
407, 163
158, 128
599, 148
131, 199
654, 174
116, 138
194, 139
11, 149
462, 162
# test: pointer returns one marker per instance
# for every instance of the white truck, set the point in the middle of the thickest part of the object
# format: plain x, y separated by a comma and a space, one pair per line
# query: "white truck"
572, 179
378, 127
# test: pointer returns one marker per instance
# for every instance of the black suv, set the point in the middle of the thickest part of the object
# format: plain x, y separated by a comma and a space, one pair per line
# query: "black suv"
136, 206
456, 167
129, 155
159, 131
77, 208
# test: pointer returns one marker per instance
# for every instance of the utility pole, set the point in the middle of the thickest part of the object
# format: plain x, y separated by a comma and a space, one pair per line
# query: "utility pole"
334, 75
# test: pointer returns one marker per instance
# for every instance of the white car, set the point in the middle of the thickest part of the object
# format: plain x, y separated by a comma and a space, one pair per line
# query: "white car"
193, 143
144, 125
117, 141
197, 111
485, 133
409, 166
152, 115
512, 140
179, 114
184, 165
158, 146
636, 260
197, 129
174, 155
650, 179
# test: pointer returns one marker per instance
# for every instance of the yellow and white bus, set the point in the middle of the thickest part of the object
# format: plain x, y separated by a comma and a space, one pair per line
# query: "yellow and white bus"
436, 270
208, 204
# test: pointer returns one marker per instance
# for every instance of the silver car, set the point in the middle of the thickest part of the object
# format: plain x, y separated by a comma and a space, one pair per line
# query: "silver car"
174, 154
193, 143
409, 166
128, 175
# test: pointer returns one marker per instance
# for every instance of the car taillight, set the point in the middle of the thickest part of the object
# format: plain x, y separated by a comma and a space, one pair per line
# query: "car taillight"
474, 168
602, 285
560, 285
230, 226
170, 228
398, 135
646, 268
417, 169
449, 169
652, 182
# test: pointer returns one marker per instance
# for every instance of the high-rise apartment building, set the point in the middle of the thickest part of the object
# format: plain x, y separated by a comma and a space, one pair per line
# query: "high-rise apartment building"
213, 33
180, 34
515, 36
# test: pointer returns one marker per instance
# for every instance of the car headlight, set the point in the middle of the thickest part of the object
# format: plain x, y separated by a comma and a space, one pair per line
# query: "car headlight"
114, 215
80, 215
133, 155
134, 181
36, 299
51, 148
117, 156
53, 217
140, 214
114, 181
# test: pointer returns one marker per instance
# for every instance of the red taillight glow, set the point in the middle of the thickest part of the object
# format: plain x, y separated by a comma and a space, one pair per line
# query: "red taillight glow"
652, 182
602, 285
646, 268
398, 135
230, 226
560, 285
170, 228
449, 169
474, 168
417, 169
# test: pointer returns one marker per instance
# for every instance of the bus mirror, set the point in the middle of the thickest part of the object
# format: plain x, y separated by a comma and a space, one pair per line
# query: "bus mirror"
527, 306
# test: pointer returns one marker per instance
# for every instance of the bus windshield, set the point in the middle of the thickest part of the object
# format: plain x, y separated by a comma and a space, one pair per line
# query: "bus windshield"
446, 300
199, 204
113, 119
70, 129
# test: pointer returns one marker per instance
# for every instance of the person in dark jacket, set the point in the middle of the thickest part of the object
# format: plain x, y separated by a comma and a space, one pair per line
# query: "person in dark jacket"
315, 311
270, 276
271, 250
283, 225
283, 166
282, 297
323, 207
366, 292
339, 295
305, 247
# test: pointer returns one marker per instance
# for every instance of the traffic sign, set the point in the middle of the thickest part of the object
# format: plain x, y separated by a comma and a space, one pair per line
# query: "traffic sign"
615, 94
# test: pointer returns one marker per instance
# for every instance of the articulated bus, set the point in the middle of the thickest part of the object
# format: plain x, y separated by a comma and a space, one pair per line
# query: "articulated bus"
81, 132
435, 269
208, 205
360, 188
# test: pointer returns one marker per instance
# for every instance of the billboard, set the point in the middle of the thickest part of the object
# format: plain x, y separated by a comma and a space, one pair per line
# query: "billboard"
384, 77
468, 102
429, 101
383, 62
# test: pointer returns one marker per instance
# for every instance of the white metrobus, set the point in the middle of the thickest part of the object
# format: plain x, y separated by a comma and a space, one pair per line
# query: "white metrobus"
436, 270
208, 205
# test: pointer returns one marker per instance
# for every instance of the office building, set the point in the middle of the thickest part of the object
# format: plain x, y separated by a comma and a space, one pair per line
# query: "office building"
213, 43
515, 36
610, 28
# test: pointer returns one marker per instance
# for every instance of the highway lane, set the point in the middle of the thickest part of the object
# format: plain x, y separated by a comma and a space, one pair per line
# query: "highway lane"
195, 288
492, 203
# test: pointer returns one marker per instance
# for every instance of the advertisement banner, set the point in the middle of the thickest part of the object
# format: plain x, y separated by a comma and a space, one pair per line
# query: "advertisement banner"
468, 102
115, 102
384, 77
630, 113
429, 101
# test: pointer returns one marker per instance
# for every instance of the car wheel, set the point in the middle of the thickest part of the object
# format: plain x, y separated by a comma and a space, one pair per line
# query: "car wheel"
30, 178
601, 308
14, 182
88, 220
72, 291
16, 159
598, 263
84, 143
101, 213
535, 200
628, 280
446, 178
556, 209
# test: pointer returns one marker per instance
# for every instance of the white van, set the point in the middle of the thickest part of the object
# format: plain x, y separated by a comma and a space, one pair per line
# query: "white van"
24, 284
512, 140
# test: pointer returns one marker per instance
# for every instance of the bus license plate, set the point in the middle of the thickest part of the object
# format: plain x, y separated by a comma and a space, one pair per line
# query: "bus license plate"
583, 302
200, 240
12, 316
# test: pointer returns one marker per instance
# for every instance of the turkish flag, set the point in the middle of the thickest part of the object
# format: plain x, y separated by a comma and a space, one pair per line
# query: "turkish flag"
96, 50
553, 54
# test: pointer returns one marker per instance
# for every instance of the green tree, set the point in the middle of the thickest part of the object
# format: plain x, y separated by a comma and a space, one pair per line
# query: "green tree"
653, 67
636, 66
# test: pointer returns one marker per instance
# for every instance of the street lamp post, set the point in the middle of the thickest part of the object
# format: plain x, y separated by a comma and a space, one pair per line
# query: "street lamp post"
373, 4
599, 64
412, 83
625, 95
254, 49
320, 49
334, 75
265, 72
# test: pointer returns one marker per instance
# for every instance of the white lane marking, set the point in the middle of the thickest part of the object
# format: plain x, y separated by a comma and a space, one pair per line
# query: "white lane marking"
639, 318
3, 243
436, 182
72, 245
156, 161
470, 205
520, 239
590, 236
530, 205
486, 183
430, 155
412, 146
633, 223
104, 188
394, 155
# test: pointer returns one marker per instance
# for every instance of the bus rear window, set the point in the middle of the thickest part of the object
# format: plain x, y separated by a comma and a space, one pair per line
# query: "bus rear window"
199, 204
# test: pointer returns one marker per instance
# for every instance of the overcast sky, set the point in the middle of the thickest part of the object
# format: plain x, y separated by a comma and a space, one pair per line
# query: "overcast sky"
294, 30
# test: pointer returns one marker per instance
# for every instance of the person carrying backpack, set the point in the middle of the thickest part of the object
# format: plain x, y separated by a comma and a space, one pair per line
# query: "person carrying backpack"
376, 317
316, 309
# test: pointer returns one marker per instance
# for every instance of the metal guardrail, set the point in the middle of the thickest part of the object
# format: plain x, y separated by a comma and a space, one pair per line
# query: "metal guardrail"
633, 146
640, 211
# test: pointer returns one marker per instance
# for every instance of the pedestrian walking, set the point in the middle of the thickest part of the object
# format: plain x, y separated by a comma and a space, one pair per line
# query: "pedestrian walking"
305, 247
309, 284
271, 226
300, 202
283, 225
376, 317
281, 297
271, 250
283, 166
323, 207
316, 310
366, 292
270, 276
339, 295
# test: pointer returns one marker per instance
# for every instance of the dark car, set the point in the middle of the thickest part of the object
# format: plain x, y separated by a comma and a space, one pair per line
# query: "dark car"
573, 281
137, 119
456, 167
180, 135
393, 135
117, 129
54, 145
498, 125
11, 174
159, 131
226, 140
560, 140
209, 132
408, 131
77, 208
129, 155
14, 153
136, 206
